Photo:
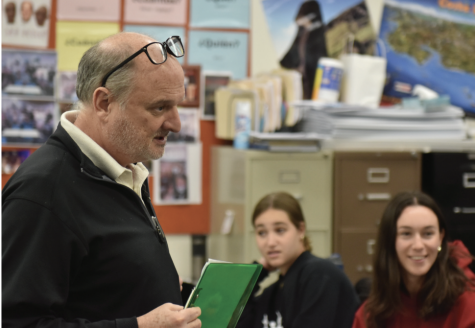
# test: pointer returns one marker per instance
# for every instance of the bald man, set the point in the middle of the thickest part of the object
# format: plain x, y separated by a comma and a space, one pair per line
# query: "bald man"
82, 246
26, 9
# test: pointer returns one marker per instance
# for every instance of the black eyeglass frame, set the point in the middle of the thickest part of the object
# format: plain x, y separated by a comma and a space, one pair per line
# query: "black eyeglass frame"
144, 49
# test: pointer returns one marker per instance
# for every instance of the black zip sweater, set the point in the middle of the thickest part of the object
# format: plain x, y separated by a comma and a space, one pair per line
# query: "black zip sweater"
79, 249
313, 293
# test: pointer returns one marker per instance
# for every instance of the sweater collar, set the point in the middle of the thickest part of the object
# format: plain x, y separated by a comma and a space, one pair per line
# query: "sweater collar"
61, 138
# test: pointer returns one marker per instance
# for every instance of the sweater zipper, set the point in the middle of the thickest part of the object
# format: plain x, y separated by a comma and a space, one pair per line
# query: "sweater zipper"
153, 219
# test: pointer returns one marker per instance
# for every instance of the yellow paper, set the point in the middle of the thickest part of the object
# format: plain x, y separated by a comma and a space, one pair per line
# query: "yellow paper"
74, 38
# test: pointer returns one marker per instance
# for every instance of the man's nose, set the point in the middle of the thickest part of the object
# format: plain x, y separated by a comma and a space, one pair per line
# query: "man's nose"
172, 121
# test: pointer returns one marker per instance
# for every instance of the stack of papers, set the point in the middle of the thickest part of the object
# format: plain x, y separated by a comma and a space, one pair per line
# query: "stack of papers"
286, 142
391, 123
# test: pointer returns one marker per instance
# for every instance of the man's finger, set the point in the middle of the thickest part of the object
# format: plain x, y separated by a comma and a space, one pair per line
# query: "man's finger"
192, 313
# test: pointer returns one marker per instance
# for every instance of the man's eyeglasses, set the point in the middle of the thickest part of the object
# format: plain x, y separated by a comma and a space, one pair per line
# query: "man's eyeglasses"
156, 52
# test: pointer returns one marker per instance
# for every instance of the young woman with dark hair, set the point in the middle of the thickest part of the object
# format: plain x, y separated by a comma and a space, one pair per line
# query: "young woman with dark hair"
310, 291
419, 279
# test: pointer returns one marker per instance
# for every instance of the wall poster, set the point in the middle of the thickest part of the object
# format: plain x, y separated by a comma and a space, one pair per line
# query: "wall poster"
220, 14
156, 11
219, 51
26, 22
28, 73
27, 121
210, 82
303, 31
177, 175
438, 51
74, 38
90, 10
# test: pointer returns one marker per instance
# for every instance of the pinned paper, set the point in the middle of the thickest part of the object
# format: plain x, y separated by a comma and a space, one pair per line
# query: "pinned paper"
73, 39
227, 222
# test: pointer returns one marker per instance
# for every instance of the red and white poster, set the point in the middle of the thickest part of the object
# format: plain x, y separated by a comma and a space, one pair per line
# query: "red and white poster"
90, 10
156, 11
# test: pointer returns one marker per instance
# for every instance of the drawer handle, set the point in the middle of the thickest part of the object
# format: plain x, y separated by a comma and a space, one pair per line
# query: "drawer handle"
378, 175
378, 196
369, 246
289, 177
464, 210
469, 180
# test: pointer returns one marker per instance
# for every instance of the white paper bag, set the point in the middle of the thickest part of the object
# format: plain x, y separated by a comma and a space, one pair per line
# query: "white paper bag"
363, 79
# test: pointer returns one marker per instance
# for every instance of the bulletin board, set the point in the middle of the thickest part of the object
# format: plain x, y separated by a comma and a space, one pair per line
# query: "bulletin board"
69, 27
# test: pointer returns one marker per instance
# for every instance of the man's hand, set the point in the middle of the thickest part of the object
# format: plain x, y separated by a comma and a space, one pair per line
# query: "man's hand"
181, 283
171, 316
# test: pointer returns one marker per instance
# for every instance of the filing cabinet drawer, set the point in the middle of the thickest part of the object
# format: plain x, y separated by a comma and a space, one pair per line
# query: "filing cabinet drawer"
357, 249
365, 182
450, 179
309, 181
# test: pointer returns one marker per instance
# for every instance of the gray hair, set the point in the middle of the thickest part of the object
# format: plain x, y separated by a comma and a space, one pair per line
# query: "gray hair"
95, 64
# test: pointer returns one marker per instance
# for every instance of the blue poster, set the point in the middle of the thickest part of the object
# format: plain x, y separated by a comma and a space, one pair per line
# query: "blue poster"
219, 51
159, 33
220, 13
431, 42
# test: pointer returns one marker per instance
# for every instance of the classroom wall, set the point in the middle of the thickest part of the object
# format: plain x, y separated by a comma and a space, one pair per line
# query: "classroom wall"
180, 222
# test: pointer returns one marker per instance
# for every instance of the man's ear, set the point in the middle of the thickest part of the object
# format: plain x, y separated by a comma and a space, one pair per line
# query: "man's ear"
101, 100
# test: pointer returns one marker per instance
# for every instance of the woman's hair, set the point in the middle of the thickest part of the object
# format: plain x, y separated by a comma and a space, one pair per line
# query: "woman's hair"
287, 203
443, 283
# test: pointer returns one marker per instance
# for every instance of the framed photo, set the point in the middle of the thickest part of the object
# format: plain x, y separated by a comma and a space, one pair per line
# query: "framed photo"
192, 86
27, 122
177, 175
190, 126
211, 81
11, 160
28, 73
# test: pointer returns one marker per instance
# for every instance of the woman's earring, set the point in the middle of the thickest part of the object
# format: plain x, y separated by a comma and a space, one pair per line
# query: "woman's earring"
440, 248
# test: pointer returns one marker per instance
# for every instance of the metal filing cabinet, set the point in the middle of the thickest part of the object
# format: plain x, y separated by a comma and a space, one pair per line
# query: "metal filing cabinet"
364, 184
450, 179
240, 178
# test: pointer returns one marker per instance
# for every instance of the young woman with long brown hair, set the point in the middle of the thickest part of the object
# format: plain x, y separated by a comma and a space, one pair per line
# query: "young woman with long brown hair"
310, 292
419, 279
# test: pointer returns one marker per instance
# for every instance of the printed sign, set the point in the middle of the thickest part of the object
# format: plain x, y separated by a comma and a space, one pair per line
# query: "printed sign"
73, 39
220, 13
156, 11
90, 10
26, 22
219, 51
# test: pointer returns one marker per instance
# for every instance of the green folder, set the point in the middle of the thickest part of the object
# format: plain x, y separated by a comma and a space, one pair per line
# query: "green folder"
222, 292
